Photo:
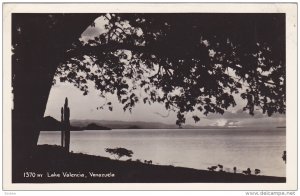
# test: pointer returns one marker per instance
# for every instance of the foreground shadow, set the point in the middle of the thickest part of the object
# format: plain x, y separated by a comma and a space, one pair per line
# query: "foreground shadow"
51, 164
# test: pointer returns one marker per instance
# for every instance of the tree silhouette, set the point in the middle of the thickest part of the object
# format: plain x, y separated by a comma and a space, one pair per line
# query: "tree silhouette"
192, 63
120, 152
184, 62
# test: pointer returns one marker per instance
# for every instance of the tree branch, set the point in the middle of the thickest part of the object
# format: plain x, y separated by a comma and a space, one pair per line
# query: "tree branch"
158, 72
158, 49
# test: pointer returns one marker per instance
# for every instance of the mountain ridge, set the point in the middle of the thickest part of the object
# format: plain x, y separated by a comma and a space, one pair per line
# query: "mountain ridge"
117, 124
51, 124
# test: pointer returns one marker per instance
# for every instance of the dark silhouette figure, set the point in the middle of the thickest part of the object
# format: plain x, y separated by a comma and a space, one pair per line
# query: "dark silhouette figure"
284, 156
212, 168
220, 167
148, 162
62, 127
247, 172
234, 170
257, 171
67, 125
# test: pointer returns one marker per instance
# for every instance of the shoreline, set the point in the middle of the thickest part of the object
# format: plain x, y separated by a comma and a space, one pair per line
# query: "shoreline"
51, 164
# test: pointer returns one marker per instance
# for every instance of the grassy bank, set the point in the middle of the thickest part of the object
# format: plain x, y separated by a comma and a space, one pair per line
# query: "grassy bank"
50, 164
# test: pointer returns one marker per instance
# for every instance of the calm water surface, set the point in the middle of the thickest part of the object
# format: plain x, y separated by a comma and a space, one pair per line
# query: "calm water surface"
195, 148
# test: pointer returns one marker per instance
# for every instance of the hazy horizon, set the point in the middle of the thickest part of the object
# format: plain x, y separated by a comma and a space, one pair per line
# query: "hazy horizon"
85, 108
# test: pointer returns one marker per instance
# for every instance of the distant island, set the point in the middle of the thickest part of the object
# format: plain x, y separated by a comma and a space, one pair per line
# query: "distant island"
115, 124
134, 127
94, 126
51, 124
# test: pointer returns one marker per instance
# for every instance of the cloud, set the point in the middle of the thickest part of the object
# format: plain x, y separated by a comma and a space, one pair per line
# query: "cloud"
264, 122
241, 118
232, 123
239, 114
244, 114
220, 122
226, 123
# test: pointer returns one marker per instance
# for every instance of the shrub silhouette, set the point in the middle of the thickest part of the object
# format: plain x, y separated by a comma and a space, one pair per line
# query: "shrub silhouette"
257, 171
120, 152
212, 168
284, 156
234, 169
247, 172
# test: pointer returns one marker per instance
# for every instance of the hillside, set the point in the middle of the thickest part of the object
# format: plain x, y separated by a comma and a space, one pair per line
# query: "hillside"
51, 124
94, 126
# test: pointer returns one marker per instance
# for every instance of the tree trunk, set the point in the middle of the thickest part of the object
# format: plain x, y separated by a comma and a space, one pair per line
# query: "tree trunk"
31, 91
39, 42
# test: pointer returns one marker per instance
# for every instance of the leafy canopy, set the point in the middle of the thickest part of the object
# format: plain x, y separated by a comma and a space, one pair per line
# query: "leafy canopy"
188, 62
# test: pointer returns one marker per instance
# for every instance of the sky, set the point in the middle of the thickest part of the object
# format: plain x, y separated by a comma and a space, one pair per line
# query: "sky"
85, 107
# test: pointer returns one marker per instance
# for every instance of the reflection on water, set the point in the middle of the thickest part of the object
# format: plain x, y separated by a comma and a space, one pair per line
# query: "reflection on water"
244, 148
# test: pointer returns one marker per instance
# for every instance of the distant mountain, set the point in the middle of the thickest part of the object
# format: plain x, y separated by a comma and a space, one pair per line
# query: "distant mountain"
133, 125
51, 124
94, 126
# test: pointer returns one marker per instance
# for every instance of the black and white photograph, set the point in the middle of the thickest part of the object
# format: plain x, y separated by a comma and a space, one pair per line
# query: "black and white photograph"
149, 97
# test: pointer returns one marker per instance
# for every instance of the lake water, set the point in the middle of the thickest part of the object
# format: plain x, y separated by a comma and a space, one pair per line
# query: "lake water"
243, 148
